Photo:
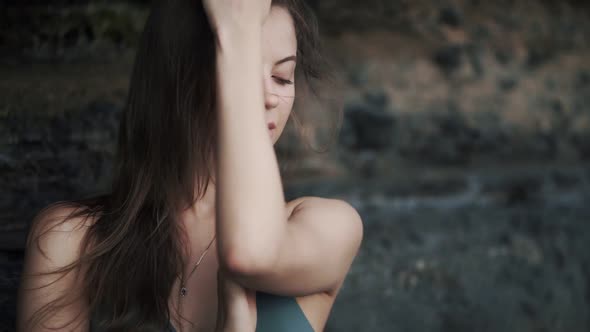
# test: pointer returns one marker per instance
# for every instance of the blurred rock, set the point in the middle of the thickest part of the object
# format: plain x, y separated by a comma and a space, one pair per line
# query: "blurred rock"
56, 158
538, 55
451, 17
582, 79
358, 75
368, 124
439, 135
449, 58
69, 32
507, 84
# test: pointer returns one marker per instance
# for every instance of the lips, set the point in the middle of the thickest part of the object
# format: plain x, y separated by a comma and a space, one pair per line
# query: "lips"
271, 125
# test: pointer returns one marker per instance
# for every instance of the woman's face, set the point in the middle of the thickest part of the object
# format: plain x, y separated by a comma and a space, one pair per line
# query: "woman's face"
279, 47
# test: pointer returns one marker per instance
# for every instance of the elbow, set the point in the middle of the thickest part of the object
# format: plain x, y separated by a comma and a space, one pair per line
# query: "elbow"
253, 252
247, 261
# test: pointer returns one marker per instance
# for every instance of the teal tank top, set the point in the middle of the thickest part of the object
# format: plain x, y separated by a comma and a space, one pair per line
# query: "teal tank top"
280, 314
275, 313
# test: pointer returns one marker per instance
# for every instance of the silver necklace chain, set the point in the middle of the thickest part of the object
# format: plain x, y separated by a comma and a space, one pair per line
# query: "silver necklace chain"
183, 289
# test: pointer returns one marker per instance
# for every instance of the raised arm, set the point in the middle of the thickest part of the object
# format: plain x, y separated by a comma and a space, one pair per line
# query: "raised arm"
304, 247
250, 202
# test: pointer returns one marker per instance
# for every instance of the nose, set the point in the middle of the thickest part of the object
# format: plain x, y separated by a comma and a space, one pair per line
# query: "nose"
271, 100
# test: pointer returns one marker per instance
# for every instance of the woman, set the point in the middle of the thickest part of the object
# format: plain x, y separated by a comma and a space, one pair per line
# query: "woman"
211, 91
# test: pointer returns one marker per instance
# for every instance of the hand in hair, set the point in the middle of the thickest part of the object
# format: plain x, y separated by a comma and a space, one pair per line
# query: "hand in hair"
228, 14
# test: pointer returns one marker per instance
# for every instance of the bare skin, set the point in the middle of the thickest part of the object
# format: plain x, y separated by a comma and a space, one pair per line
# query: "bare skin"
204, 304
302, 248
306, 234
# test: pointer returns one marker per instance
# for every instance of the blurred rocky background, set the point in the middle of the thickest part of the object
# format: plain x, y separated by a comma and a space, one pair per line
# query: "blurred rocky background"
465, 147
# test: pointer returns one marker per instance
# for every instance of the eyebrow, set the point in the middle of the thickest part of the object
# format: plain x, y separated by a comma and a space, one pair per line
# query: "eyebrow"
289, 58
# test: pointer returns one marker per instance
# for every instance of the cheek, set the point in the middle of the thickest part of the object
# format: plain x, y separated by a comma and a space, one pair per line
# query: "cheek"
286, 106
286, 91
285, 112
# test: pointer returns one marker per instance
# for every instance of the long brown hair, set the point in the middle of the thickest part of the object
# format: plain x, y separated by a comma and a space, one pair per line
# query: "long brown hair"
134, 249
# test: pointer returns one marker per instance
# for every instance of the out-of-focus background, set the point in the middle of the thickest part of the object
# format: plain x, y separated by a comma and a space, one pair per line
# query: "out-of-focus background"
465, 147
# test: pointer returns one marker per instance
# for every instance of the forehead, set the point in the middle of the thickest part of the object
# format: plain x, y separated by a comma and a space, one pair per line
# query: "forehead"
278, 34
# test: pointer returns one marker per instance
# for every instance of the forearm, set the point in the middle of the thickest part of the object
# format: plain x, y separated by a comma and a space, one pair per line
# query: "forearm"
251, 217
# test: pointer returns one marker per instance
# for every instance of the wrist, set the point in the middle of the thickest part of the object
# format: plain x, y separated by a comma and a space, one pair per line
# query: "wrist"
238, 36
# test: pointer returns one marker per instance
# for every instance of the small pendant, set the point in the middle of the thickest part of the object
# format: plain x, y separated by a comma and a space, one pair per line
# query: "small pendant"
183, 291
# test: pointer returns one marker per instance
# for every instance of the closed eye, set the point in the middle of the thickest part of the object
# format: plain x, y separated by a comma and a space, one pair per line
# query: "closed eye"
282, 81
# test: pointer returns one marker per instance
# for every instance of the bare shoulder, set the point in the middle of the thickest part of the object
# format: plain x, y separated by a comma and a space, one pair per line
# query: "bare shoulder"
338, 211
336, 231
57, 227
337, 222
321, 204
53, 244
